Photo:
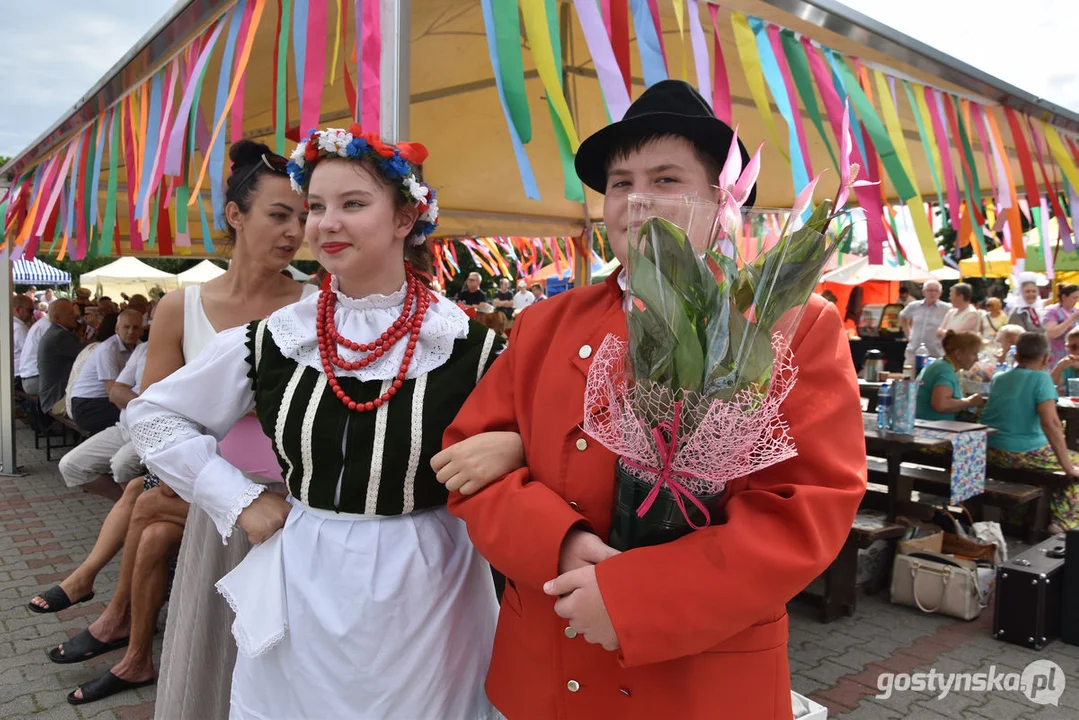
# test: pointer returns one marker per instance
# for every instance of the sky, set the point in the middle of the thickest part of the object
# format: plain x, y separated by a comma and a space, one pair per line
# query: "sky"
47, 66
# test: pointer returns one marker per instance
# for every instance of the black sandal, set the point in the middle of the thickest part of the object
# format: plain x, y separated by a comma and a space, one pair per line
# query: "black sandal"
105, 686
57, 600
82, 647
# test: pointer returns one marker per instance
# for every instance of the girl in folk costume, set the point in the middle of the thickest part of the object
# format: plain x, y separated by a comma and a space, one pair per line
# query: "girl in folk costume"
363, 598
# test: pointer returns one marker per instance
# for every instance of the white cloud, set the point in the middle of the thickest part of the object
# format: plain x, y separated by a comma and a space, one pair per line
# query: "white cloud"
47, 65
1030, 45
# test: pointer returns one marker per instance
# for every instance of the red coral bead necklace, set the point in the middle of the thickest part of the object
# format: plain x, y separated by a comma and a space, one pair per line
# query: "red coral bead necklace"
408, 323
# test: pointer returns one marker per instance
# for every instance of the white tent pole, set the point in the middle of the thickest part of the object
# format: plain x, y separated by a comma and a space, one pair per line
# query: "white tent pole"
7, 370
396, 24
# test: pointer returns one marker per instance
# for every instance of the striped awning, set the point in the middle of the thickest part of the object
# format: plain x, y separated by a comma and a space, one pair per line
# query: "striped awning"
35, 272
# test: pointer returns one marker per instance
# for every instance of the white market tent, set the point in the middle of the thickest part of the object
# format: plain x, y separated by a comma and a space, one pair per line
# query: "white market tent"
127, 275
35, 272
860, 271
203, 272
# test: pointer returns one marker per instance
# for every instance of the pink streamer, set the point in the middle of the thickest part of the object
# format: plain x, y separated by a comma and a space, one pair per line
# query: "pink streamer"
174, 156
315, 65
608, 72
372, 67
1074, 201
977, 120
1047, 244
236, 120
57, 185
700, 51
788, 81
605, 7
721, 91
931, 97
868, 196
357, 27
1004, 195
156, 166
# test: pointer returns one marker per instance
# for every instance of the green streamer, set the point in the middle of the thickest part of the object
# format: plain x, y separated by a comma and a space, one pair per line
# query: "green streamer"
508, 45
926, 144
970, 181
877, 133
281, 120
803, 80
574, 189
108, 229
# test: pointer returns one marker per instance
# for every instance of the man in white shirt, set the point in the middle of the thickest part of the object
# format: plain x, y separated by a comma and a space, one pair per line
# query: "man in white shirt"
106, 462
22, 317
90, 406
523, 298
921, 319
27, 366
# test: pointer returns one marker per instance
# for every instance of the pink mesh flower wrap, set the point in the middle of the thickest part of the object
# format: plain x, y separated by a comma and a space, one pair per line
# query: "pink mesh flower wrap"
719, 441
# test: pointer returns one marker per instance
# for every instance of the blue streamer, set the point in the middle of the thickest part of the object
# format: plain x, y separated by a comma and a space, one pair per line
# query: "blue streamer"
217, 150
153, 126
528, 178
95, 183
841, 90
774, 77
207, 239
653, 64
71, 185
299, 46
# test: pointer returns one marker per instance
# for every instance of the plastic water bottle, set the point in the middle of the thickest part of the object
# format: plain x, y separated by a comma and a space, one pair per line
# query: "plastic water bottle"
921, 359
884, 407
1010, 359
999, 368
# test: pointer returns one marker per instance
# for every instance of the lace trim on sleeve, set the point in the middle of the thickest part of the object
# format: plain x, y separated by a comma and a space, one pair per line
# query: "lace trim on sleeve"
245, 498
159, 431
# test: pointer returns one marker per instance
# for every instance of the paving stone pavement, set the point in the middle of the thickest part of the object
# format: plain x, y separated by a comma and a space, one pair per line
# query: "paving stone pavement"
46, 529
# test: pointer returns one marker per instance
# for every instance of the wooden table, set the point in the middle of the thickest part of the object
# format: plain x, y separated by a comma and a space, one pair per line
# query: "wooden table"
1069, 415
895, 446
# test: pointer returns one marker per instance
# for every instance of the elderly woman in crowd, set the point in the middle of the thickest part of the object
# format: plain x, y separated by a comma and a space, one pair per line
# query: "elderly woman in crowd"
993, 319
1027, 313
1059, 320
963, 316
939, 394
1022, 408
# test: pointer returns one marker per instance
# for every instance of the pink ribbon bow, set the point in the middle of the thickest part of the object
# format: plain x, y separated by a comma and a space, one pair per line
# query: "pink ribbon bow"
666, 475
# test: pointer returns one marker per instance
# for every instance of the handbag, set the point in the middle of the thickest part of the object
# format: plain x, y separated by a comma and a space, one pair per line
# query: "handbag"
960, 543
935, 583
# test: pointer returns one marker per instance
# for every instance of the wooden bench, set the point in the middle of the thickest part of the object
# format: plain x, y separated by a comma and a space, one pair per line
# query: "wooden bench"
836, 590
1002, 494
66, 424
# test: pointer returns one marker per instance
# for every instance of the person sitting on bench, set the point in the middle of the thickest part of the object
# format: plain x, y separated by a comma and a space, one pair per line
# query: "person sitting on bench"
1022, 408
90, 406
56, 356
106, 462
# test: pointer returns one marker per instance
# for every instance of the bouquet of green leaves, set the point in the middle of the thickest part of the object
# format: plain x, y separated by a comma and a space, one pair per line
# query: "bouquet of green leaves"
693, 400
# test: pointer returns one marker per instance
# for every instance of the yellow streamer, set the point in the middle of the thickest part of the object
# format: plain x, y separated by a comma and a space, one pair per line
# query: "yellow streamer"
892, 124
1056, 146
534, 14
927, 123
746, 43
336, 43
679, 16
256, 16
924, 233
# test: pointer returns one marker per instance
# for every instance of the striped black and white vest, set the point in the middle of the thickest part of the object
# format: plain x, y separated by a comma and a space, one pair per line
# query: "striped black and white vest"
371, 463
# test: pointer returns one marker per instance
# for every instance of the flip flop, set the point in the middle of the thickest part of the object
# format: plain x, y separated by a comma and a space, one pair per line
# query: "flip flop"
57, 600
105, 686
82, 647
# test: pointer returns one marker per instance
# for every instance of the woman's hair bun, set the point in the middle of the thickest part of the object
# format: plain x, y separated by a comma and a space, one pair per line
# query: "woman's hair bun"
246, 153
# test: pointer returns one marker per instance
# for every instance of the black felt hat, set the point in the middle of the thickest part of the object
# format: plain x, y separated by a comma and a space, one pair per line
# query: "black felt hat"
670, 107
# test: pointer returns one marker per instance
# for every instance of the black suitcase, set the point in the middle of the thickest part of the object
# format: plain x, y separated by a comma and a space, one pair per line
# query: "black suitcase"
1030, 594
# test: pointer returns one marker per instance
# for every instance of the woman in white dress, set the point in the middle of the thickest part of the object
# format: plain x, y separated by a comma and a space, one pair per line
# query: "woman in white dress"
363, 598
